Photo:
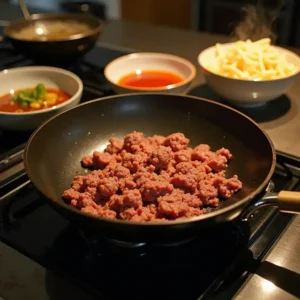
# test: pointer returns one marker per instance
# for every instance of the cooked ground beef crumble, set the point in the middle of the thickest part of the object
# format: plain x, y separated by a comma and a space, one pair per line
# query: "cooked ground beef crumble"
155, 178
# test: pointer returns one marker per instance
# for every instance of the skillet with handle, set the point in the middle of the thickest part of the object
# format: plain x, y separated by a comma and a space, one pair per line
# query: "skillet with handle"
53, 51
53, 153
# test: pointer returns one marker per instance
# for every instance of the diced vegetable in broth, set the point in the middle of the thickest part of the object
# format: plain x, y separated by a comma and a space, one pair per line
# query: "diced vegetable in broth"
32, 99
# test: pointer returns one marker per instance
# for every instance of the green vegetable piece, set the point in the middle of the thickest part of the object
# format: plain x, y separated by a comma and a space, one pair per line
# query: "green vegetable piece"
27, 96
24, 96
39, 92
24, 104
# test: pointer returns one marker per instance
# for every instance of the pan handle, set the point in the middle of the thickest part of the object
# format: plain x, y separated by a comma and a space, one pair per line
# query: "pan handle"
24, 9
269, 199
289, 202
286, 201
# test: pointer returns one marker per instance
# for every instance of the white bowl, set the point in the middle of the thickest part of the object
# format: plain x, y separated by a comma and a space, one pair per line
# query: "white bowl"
246, 92
130, 63
24, 77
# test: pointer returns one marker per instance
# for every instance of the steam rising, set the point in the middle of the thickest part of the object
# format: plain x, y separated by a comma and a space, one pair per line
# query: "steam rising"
257, 22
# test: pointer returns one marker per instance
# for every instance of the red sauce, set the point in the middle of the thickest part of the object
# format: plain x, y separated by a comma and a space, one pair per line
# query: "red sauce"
7, 105
152, 79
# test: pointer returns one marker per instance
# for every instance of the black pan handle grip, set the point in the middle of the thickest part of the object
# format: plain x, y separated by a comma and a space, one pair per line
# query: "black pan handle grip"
11, 160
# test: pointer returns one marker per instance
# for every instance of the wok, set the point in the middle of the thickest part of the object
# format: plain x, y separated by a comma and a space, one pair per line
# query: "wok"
54, 51
53, 153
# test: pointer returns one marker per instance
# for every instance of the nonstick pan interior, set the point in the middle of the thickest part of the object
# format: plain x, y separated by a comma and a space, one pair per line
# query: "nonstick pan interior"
53, 154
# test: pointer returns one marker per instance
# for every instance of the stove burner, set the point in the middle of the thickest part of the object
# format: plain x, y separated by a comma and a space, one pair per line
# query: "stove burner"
175, 243
134, 245
124, 244
233, 234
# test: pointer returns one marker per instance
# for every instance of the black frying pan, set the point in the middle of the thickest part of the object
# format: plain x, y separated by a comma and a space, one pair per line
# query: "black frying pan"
55, 51
53, 154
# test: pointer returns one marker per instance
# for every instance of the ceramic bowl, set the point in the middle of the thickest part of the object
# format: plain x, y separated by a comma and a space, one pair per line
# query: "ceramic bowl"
24, 77
246, 92
137, 62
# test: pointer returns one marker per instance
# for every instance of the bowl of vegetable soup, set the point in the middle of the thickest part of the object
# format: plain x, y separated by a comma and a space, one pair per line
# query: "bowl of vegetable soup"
31, 95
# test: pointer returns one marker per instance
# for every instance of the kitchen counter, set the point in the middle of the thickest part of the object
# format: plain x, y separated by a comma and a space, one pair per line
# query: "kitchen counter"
22, 278
278, 276
280, 118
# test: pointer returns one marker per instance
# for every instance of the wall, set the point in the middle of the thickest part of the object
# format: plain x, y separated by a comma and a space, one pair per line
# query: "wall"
42, 4
172, 13
112, 6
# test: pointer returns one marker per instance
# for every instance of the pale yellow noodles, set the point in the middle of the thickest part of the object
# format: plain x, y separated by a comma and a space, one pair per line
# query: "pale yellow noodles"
251, 61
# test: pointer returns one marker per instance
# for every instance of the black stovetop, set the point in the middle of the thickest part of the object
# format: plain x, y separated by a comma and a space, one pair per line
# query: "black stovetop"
214, 264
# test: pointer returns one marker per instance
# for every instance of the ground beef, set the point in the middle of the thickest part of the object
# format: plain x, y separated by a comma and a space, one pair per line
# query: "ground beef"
126, 184
108, 186
98, 160
151, 190
79, 183
115, 146
156, 140
120, 172
71, 194
173, 210
133, 139
229, 187
145, 146
141, 178
217, 161
129, 199
134, 161
156, 178
160, 157
183, 155
87, 161
187, 182
177, 141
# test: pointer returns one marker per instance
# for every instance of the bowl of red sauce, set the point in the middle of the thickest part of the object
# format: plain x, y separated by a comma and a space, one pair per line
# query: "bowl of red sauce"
31, 95
150, 72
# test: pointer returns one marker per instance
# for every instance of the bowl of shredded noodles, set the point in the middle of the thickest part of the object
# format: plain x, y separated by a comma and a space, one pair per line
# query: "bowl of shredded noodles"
247, 72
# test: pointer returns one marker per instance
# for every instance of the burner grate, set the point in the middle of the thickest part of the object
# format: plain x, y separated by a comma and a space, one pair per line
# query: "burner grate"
86, 257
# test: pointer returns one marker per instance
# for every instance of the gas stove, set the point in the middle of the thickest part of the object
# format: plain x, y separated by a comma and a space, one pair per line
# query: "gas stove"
213, 265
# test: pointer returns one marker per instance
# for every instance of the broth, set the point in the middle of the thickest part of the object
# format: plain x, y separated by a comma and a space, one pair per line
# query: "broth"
150, 79
51, 31
53, 97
